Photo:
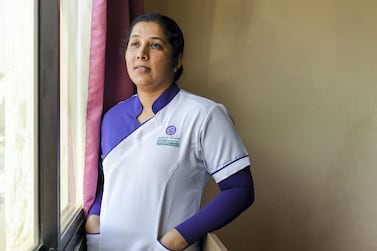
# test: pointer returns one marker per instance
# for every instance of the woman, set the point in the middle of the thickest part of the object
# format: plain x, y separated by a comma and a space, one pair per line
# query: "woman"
159, 149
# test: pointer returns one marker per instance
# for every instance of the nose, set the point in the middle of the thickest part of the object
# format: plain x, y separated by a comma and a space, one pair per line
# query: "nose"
142, 57
142, 53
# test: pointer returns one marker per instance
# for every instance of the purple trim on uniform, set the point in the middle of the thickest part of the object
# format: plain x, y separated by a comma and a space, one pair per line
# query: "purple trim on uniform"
228, 164
121, 120
237, 194
96, 207
165, 98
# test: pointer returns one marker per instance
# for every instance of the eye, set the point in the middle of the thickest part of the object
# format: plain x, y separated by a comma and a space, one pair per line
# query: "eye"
156, 46
133, 44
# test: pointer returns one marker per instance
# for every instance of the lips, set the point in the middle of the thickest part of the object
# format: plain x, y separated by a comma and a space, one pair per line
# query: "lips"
142, 68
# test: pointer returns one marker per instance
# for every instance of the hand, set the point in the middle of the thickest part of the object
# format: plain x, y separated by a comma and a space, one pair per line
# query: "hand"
173, 240
92, 224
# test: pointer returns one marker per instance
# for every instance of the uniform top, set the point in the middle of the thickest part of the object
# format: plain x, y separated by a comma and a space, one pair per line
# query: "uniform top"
155, 172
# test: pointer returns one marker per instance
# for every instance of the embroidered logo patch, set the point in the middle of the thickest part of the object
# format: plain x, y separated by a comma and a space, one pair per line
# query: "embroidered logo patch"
169, 140
170, 130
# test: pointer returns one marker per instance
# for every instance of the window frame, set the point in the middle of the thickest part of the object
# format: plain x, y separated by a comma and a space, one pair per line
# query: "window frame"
50, 235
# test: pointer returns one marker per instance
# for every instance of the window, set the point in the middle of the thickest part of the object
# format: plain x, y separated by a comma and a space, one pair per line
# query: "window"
42, 146
75, 26
18, 125
61, 139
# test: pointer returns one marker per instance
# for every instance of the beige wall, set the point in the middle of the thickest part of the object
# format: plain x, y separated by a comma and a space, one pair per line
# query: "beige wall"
300, 78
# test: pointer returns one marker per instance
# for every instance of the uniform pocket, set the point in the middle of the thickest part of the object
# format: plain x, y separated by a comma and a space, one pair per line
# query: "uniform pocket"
93, 242
161, 247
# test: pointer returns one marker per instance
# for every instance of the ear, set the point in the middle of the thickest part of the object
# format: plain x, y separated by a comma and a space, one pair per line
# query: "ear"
179, 61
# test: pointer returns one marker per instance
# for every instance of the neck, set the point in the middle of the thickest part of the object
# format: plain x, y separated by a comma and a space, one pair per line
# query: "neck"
147, 98
149, 94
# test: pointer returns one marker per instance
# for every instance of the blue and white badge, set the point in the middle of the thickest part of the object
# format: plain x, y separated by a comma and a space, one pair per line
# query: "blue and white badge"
170, 130
169, 140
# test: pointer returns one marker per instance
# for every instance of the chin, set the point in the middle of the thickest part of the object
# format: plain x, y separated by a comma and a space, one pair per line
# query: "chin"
142, 84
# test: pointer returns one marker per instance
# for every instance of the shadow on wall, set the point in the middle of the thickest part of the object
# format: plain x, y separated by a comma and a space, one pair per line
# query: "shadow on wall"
204, 33
299, 80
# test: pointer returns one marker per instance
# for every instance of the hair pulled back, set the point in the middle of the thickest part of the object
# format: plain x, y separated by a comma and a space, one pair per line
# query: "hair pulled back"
171, 30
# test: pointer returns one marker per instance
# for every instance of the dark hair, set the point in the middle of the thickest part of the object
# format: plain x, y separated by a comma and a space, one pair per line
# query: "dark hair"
171, 30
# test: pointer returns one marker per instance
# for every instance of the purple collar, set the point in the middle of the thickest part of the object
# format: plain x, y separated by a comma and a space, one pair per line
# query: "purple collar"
163, 99
121, 120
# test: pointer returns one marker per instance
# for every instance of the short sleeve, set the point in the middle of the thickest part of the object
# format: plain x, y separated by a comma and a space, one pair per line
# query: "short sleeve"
221, 147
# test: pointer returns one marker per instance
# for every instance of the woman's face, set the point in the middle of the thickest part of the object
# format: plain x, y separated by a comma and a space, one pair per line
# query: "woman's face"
149, 57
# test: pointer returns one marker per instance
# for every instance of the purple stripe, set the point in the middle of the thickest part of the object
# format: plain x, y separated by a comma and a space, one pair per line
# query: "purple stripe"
229, 164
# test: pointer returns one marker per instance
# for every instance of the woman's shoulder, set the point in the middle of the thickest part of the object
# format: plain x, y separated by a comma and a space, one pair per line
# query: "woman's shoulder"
198, 107
129, 105
199, 102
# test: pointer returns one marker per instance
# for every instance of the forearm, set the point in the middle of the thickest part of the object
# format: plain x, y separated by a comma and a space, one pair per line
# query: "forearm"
236, 195
173, 240
92, 224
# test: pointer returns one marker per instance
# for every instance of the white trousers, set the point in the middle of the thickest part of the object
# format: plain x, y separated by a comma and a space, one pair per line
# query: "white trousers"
93, 242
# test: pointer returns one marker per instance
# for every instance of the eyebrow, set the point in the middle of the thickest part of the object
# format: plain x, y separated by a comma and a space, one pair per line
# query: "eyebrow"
153, 37
159, 38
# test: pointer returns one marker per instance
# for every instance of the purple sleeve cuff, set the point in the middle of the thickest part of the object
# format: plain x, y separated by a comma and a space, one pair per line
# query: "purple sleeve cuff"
237, 194
96, 207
